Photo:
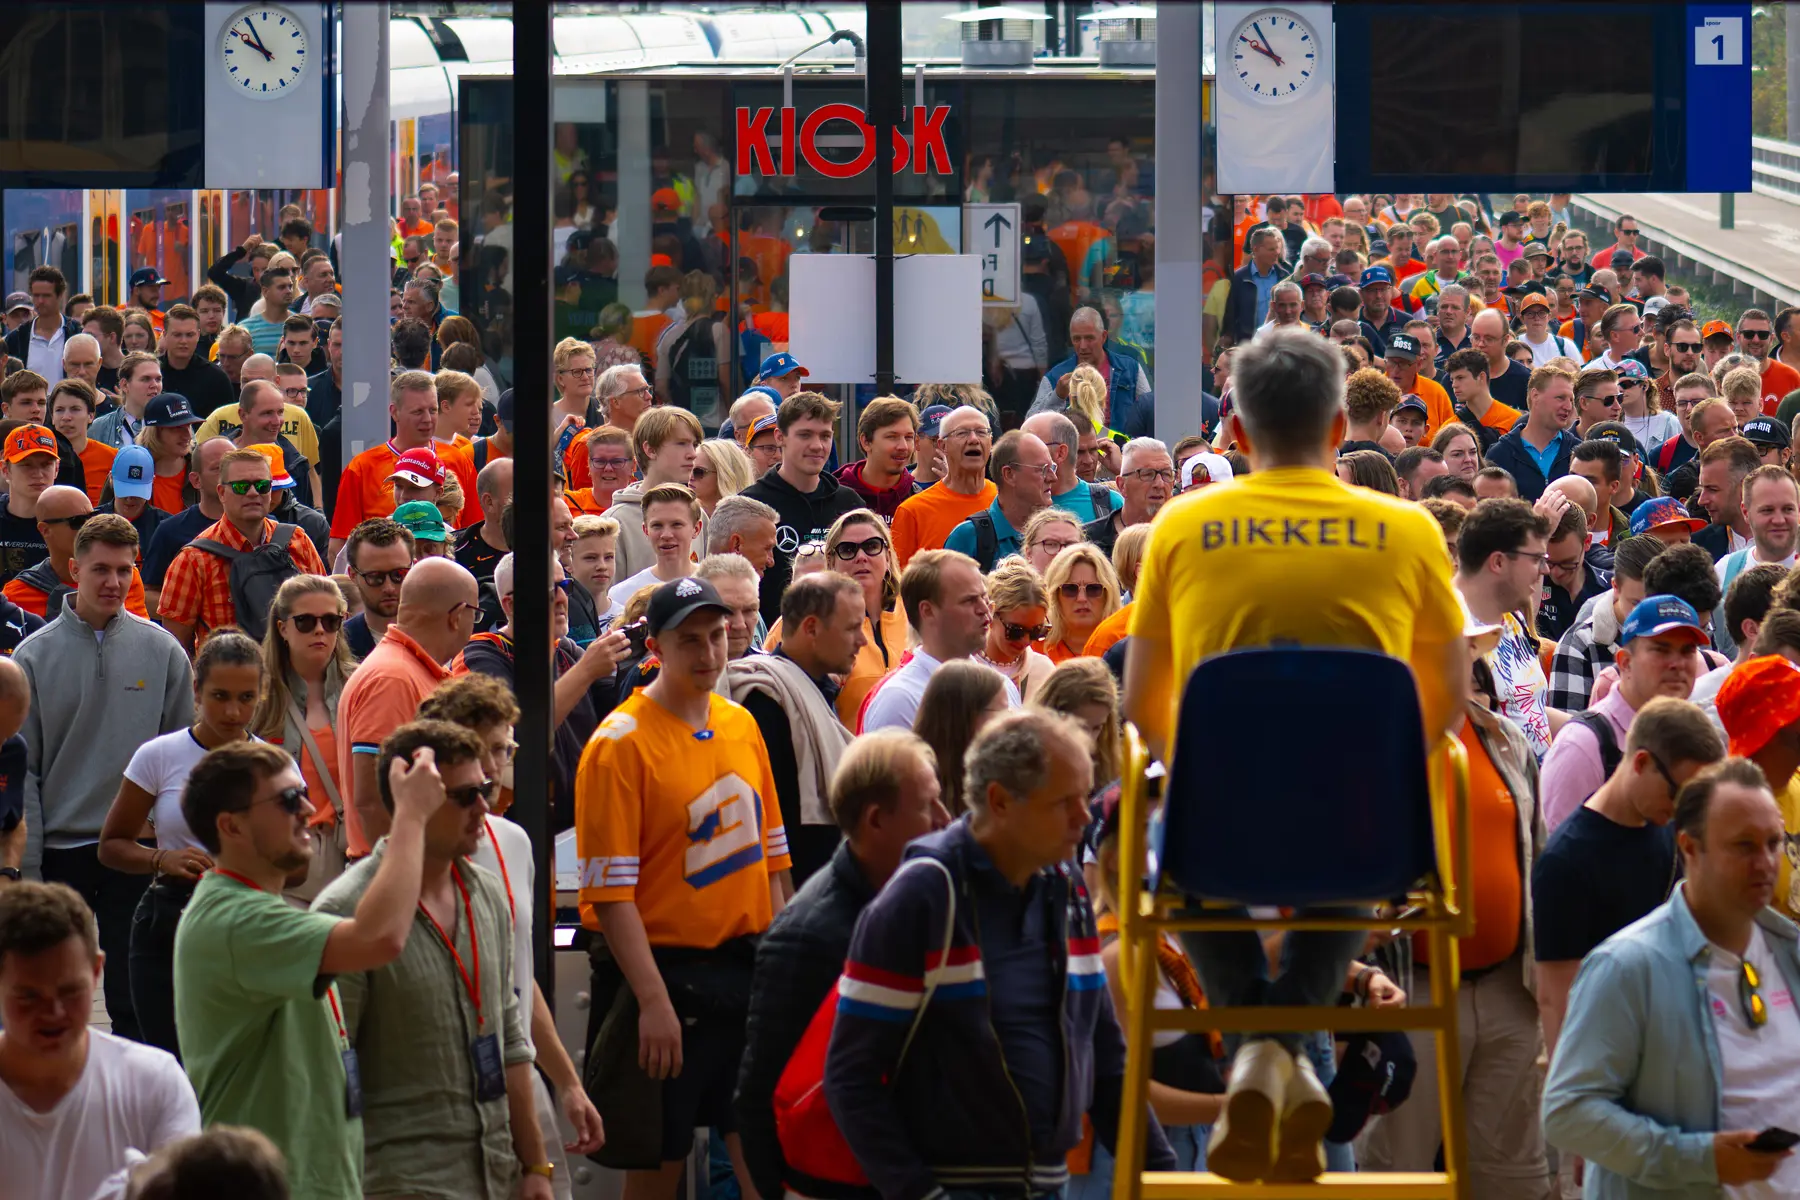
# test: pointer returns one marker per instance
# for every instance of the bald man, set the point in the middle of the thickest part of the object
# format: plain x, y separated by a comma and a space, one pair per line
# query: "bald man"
41, 588
438, 604
296, 426
15, 703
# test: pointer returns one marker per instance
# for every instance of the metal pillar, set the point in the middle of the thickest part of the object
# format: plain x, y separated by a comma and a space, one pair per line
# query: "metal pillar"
883, 84
364, 258
531, 452
1727, 210
1179, 259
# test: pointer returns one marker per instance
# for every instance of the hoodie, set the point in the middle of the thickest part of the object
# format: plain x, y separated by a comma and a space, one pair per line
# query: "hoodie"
94, 701
634, 550
801, 517
883, 501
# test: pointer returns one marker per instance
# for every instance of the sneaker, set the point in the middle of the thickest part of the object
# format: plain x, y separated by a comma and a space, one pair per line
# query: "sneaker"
1305, 1116
1242, 1146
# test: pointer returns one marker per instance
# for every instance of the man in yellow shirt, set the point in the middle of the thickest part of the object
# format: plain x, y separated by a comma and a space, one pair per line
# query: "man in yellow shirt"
1287, 555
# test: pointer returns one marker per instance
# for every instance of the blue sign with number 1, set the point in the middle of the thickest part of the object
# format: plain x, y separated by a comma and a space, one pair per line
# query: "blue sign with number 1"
1718, 98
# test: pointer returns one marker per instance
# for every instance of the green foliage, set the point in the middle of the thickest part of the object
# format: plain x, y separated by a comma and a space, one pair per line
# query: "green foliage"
1768, 78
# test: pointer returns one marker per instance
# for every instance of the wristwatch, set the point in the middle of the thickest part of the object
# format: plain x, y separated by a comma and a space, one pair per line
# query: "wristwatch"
547, 1170
11, 873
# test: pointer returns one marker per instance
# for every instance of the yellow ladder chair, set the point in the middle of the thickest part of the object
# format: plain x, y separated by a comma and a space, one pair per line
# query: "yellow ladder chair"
1265, 749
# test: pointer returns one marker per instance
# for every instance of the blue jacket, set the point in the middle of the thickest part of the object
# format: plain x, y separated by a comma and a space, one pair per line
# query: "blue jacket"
951, 1117
1635, 1084
1130, 414
1516, 457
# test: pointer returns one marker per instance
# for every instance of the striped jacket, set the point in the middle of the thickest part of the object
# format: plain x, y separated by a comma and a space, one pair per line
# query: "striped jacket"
949, 1116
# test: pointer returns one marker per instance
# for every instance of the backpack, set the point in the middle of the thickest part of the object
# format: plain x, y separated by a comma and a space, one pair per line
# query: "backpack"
256, 575
987, 540
1597, 724
811, 1142
694, 368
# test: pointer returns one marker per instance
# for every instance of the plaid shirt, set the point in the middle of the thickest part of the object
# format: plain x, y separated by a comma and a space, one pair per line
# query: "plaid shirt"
1583, 652
197, 589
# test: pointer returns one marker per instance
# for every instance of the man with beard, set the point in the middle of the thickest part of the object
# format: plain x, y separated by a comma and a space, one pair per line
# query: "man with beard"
1771, 503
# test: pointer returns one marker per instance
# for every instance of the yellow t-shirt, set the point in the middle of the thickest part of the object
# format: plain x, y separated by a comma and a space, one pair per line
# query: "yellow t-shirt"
1295, 555
296, 426
1787, 886
684, 823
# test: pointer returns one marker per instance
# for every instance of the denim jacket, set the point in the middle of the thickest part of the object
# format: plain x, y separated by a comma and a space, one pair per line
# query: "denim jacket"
1635, 1086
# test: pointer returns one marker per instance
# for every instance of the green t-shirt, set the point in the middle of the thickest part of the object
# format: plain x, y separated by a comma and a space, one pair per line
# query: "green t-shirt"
1788, 409
257, 1033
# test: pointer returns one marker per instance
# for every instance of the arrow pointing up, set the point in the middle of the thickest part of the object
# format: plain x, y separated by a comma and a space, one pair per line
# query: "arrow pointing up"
997, 222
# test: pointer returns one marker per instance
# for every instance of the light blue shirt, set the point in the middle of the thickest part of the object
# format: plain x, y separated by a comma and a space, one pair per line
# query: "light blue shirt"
1635, 1084
1265, 287
1080, 501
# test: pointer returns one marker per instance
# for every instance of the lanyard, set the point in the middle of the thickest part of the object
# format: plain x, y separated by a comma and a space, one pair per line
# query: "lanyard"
473, 984
505, 878
247, 882
337, 1015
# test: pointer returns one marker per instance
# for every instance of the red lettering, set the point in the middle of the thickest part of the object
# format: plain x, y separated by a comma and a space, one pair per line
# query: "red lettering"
753, 141
789, 144
809, 133
930, 154
902, 150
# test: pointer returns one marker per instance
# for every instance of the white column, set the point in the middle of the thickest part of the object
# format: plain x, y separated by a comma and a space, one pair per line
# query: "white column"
363, 259
1179, 294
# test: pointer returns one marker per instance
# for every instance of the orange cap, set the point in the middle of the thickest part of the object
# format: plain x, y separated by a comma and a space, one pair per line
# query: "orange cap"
278, 471
28, 440
1759, 699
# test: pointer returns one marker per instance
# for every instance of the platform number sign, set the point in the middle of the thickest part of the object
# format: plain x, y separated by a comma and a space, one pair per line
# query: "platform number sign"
1719, 42
263, 51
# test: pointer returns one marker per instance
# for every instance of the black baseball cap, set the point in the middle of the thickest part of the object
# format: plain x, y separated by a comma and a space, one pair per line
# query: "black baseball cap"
503, 410
1374, 1077
1591, 292
676, 601
170, 408
1616, 432
1510, 218
1765, 431
1411, 402
1402, 346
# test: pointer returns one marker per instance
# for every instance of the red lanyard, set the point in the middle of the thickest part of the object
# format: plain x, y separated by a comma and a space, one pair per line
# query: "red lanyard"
246, 881
337, 1015
472, 984
504, 877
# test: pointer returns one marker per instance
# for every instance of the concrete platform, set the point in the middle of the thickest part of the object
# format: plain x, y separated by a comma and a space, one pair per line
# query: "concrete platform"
1759, 258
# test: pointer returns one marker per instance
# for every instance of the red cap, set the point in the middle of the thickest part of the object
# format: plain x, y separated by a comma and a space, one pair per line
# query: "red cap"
1760, 698
419, 467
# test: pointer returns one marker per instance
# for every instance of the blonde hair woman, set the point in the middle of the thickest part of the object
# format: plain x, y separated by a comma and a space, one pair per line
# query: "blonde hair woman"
1084, 591
306, 662
1088, 405
1084, 690
1049, 532
1021, 617
721, 469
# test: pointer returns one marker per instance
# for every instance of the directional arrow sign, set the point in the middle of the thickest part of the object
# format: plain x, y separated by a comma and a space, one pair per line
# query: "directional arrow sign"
991, 231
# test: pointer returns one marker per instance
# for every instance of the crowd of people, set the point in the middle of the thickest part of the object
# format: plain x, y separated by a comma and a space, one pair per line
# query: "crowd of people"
837, 734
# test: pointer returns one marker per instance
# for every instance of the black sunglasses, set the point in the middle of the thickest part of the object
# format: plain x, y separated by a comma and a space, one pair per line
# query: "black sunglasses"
376, 578
308, 622
465, 797
1018, 633
73, 522
292, 801
1092, 591
874, 547
1758, 334
1688, 347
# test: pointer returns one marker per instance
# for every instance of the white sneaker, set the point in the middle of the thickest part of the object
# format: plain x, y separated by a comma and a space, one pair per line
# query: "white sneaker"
1305, 1116
1242, 1146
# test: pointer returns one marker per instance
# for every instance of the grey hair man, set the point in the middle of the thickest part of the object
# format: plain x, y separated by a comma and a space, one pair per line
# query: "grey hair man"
746, 526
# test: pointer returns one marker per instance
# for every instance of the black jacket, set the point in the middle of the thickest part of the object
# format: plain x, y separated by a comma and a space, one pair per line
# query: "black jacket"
1716, 539
798, 962
18, 342
809, 846
1515, 457
312, 522
244, 292
1102, 532
206, 385
800, 517
1240, 303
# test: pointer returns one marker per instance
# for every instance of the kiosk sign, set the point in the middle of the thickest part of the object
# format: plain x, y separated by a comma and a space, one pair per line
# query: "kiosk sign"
925, 150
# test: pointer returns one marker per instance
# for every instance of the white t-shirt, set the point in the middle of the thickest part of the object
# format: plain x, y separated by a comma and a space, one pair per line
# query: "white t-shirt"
1653, 428
130, 1097
1519, 678
1553, 346
161, 767
507, 843
1758, 1066
620, 593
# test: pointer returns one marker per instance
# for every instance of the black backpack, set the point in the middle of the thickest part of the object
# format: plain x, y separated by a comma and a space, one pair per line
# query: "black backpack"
256, 575
987, 540
1597, 724
694, 368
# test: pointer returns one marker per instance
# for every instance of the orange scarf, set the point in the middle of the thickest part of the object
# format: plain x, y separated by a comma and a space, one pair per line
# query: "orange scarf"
1175, 967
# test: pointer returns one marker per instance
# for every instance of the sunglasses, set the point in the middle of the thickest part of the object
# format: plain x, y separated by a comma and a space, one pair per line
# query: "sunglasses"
701, 472
1761, 335
1018, 633
311, 622
1688, 347
873, 547
74, 522
243, 487
465, 797
1629, 381
1088, 591
292, 801
1756, 1010
809, 550
376, 578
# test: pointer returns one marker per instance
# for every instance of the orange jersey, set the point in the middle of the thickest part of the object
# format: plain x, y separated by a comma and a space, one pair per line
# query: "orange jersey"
166, 493
458, 458
35, 600
96, 466
924, 521
364, 489
682, 823
1778, 380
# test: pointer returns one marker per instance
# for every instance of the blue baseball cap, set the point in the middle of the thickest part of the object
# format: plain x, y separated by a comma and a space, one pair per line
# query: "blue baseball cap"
777, 365
1660, 511
503, 410
932, 418
1657, 615
144, 277
1375, 275
170, 408
134, 473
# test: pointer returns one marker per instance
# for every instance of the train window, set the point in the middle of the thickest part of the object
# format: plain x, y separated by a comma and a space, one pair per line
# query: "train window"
43, 228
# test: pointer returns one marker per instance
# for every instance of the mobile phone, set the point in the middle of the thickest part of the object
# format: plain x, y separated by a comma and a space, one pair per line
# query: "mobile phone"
636, 632
1774, 1140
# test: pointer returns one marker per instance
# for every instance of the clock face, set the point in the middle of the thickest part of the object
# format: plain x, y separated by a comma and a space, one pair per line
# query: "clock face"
1274, 56
263, 51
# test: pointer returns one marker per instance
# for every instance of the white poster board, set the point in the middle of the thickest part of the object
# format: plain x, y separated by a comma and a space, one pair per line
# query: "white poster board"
1276, 86
937, 317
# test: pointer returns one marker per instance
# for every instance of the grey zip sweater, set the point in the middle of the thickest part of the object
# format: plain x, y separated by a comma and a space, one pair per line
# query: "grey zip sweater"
92, 705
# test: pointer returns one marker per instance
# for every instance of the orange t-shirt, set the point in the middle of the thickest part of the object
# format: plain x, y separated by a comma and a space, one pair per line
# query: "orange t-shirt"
1778, 380
381, 696
1108, 633
35, 600
1497, 885
458, 457
96, 464
1439, 412
1058, 653
1239, 232
326, 740
646, 328
924, 521
364, 489
166, 493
